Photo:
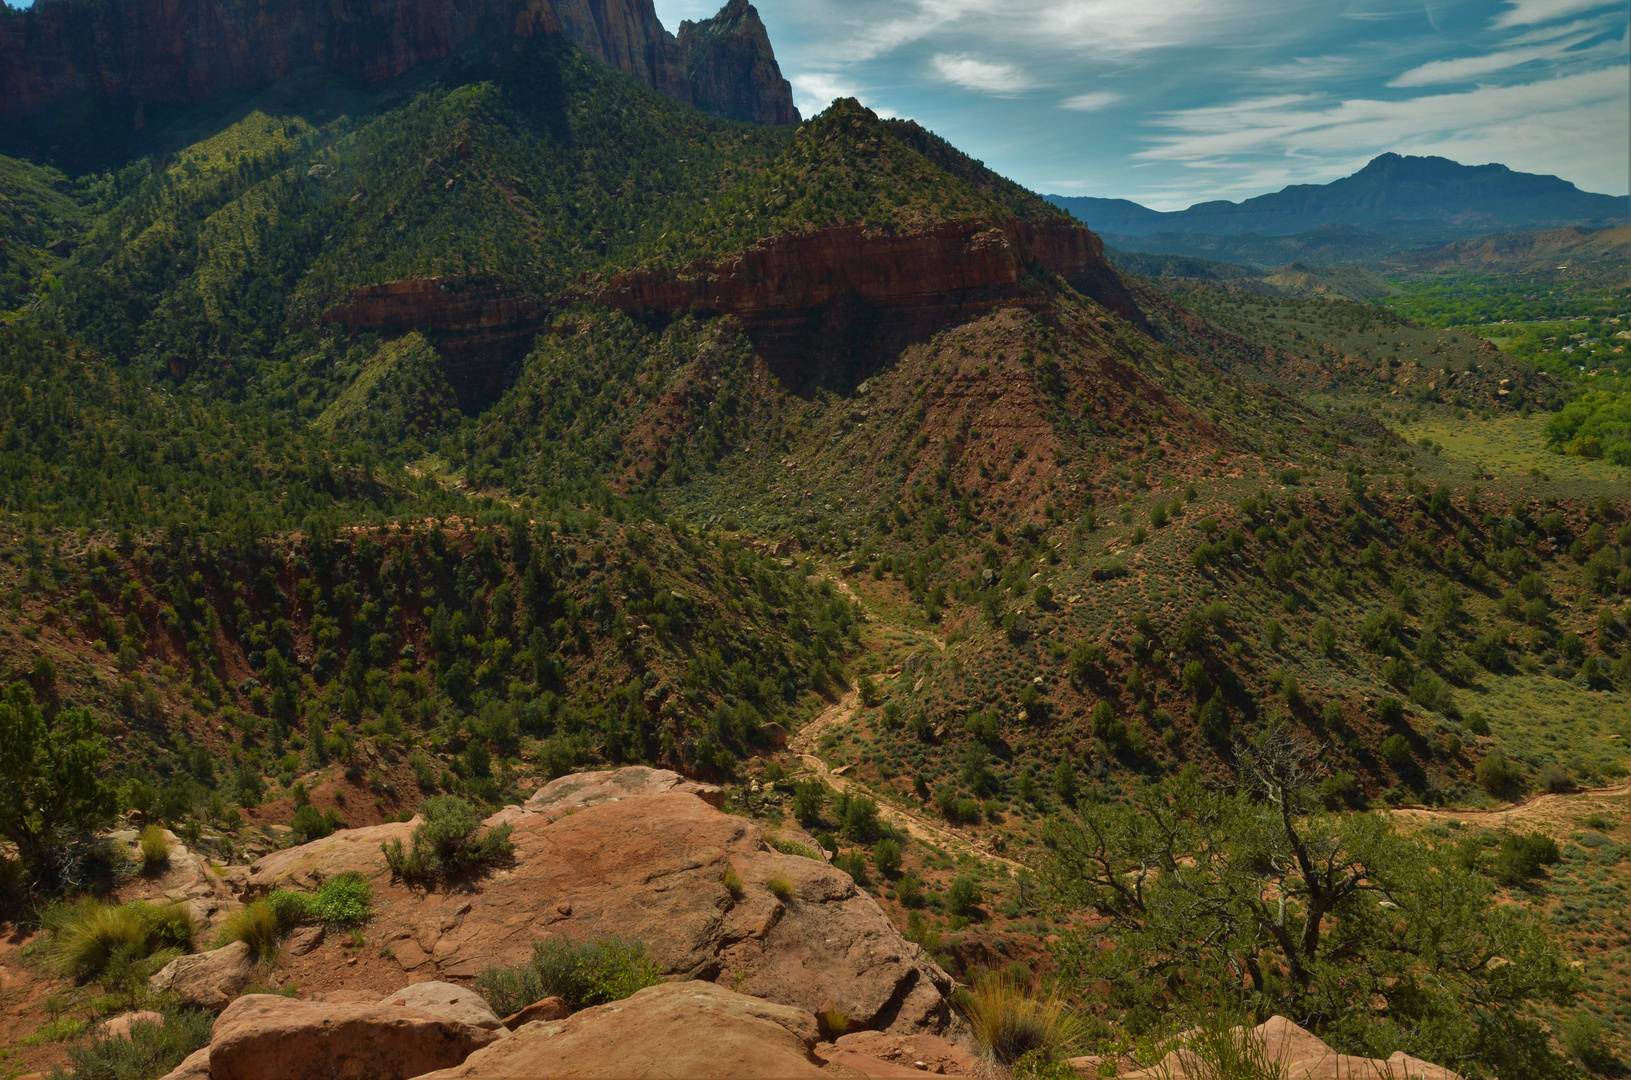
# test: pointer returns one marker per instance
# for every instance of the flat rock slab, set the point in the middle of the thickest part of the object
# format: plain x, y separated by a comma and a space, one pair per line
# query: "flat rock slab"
591, 789
880, 1054
267, 1037
684, 1029
448, 1001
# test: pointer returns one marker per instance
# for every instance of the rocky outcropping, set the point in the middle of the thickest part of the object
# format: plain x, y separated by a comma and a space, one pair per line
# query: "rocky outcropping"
677, 1029
649, 867
208, 980
732, 68
268, 1037
1299, 1053
152, 51
806, 270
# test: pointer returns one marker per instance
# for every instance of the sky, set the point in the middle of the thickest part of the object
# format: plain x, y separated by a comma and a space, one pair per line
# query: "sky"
1173, 102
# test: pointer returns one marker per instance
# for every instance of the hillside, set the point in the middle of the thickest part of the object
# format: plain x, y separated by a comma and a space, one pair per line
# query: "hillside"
1392, 195
372, 444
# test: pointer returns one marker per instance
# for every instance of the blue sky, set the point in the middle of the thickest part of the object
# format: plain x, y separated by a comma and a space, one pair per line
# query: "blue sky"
1172, 102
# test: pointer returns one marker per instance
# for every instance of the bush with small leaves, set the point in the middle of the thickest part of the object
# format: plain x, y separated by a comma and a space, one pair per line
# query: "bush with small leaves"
853, 863
1524, 857
148, 1049
886, 857
1390, 711
963, 895
1498, 776
446, 845
593, 973
1395, 750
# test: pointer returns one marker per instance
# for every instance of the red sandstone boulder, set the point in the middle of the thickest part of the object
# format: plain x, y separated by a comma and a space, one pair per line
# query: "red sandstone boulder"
551, 1008
648, 866
448, 1001
682, 1029
267, 1037
208, 980
195, 1067
591, 789
1302, 1053
119, 1026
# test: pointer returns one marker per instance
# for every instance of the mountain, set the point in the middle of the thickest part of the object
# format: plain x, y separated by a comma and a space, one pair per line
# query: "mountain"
60, 58
1391, 195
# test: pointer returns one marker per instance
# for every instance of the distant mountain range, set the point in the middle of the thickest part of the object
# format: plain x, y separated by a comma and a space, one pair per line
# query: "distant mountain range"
1393, 196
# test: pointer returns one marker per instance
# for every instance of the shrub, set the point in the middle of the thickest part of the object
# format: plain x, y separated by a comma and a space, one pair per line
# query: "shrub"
793, 847
780, 888
153, 847
1390, 711
1325, 637
1524, 857
445, 844
1556, 779
1223, 1049
1489, 650
909, 890
732, 882
963, 895
88, 937
255, 926
1108, 726
808, 800
1395, 750
1477, 724
852, 863
886, 857
310, 824
151, 1050
593, 973
1586, 1039
857, 817
1341, 791
1498, 776
344, 900
1086, 661
1010, 1024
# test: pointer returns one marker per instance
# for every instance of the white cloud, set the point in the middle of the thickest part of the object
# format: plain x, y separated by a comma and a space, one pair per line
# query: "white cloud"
972, 73
1530, 12
1468, 68
1091, 102
813, 91
1575, 126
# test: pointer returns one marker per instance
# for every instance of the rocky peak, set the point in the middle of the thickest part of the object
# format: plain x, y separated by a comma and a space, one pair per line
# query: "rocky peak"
733, 70
145, 52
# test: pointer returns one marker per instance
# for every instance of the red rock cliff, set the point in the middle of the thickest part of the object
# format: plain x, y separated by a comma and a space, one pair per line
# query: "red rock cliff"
190, 50
806, 270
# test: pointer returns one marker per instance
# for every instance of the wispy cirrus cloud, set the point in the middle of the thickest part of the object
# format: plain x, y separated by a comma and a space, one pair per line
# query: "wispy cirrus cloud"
1101, 99
986, 76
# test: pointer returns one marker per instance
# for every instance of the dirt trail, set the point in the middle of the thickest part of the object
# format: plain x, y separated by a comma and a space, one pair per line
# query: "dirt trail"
1555, 814
918, 826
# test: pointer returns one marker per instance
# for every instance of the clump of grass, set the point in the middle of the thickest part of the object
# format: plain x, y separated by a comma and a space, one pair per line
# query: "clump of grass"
1221, 1050
151, 1050
793, 847
732, 882
592, 973
255, 926
834, 1024
780, 887
445, 845
90, 937
63, 1027
1010, 1021
154, 848
344, 900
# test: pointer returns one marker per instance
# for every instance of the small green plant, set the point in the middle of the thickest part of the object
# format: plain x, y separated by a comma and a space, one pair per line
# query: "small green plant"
445, 844
154, 848
886, 857
793, 847
834, 1023
853, 863
1011, 1024
151, 1049
732, 882
1498, 776
780, 888
344, 900
59, 1029
592, 973
1524, 857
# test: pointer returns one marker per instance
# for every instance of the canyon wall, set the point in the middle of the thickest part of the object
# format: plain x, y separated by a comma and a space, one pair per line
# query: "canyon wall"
152, 51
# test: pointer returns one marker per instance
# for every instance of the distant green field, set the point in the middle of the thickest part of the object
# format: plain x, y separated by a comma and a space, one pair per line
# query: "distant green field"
1507, 445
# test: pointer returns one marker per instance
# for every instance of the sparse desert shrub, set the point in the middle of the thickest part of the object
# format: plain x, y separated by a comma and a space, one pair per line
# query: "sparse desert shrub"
1341, 791
852, 863
151, 1050
886, 857
1395, 750
1219, 1049
1524, 857
1556, 779
344, 900
780, 888
793, 847
1586, 1038
445, 844
591, 973
1498, 776
154, 848
88, 937
310, 824
732, 882
963, 895
1011, 1024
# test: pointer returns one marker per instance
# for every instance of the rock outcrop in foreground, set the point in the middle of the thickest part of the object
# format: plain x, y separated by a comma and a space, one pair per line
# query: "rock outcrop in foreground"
640, 854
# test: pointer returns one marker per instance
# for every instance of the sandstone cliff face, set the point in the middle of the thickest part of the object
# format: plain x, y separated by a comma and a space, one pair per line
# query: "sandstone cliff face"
733, 71
189, 50
808, 270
